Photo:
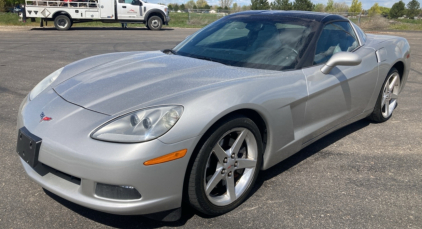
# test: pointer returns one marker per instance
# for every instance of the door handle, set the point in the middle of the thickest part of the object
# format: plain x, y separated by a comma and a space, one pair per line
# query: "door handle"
123, 6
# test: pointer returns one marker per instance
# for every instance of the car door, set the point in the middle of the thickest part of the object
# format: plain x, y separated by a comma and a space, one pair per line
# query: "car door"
129, 10
345, 91
107, 9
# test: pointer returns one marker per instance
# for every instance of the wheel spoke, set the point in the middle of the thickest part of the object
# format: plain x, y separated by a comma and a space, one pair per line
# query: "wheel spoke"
391, 85
239, 141
245, 163
384, 101
387, 108
394, 96
230, 188
220, 153
213, 181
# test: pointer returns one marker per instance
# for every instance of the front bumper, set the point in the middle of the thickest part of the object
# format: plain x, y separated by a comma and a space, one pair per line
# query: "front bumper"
67, 147
167, 19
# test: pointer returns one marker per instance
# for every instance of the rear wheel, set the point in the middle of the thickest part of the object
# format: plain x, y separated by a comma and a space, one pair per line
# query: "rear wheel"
387, 99
155, 23
62, 22
226, 167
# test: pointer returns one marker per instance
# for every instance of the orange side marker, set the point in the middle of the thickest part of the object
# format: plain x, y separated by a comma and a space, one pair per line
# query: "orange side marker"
166, 158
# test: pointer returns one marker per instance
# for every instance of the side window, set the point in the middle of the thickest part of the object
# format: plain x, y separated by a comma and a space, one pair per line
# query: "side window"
361, 34
126, 1
335, 37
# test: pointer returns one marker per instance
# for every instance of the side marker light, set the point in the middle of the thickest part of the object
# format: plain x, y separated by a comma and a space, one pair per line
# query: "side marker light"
166, 158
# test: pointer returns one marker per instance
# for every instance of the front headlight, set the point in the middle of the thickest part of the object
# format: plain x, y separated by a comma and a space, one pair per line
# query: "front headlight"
44, 84
139, 126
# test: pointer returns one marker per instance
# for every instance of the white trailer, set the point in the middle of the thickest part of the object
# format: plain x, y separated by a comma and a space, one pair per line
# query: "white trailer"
66, 12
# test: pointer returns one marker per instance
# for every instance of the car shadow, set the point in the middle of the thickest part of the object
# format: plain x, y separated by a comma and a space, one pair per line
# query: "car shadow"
103, 28
188, 212
308, 152
121, 221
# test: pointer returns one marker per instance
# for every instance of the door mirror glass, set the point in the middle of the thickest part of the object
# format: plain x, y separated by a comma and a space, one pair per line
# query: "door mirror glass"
341, 58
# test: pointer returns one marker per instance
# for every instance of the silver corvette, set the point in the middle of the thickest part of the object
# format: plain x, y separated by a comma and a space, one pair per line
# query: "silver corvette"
140, 132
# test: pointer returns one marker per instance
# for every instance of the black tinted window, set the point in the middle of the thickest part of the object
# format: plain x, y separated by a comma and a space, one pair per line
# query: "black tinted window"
335, 37
250, 41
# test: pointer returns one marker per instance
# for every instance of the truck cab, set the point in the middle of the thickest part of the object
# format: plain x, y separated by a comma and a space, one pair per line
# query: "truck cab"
66, 12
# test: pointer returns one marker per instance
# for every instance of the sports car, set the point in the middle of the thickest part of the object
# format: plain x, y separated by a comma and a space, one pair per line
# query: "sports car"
138, 133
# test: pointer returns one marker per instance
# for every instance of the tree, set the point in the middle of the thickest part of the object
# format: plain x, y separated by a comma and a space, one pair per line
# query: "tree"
194, 7
319, 7
176, 7
356, 7
340, 7
413, 9
189, 5
397, 10
2, 6
305, 5
235, 7
385, 11
182, 7
244, 7
226, 3
330, 6
201, 4
260, 5
207, 7
170, 6
281, 5
374, 10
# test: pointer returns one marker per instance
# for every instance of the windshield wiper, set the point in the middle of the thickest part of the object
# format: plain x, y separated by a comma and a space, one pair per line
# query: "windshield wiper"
207, 58
167, 51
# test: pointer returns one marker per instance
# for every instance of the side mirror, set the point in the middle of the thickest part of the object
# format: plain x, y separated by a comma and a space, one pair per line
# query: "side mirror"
341, 58
140, 3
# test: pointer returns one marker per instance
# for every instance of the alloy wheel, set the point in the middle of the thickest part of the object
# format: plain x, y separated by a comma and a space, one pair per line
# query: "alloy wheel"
231, 166
390, 95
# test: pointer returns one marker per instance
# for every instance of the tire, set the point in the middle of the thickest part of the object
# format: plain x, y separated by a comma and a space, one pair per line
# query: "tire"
155, 23
216, 167
387, 98
62, 22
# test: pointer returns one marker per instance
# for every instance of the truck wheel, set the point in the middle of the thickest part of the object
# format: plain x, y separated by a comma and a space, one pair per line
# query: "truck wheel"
155, 23
62, 22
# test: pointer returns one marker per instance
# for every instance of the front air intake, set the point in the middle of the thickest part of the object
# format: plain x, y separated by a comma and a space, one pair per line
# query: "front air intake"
118, 192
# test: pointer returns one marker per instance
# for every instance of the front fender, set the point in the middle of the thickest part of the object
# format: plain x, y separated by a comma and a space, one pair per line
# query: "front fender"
279, 99
148, 14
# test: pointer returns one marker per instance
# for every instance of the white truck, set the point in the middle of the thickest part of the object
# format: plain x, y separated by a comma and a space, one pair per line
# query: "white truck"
66, 12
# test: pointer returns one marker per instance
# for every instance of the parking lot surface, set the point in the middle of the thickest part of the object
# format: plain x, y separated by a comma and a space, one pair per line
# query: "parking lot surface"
364, 175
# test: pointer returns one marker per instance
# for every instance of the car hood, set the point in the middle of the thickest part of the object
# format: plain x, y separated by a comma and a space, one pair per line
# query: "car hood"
125, 83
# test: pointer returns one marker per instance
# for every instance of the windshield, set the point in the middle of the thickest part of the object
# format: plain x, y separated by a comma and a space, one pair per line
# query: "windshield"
255, 41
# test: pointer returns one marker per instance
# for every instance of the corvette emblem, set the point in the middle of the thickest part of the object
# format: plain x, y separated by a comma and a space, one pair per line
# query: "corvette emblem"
44, 118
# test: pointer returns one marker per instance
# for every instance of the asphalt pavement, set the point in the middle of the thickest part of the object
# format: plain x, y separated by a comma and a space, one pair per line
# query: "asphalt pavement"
364, 175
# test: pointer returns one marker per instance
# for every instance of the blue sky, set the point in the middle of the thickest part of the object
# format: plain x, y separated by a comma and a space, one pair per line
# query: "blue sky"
366, 4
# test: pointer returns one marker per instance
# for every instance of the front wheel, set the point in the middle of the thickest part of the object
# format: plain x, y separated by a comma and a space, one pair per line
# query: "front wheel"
155, 23
226, 167
387, 99
62, 22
